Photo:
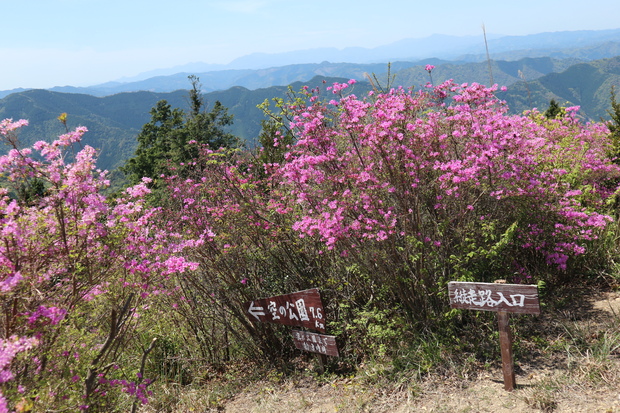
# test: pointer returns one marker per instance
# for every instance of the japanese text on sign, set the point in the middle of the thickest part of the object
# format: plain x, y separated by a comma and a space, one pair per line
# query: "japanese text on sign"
315, 343
515, 298
303, 308
483, 298
295, 311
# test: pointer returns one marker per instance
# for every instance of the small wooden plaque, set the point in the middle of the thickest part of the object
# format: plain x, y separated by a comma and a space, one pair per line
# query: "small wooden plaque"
512, 298
315, 343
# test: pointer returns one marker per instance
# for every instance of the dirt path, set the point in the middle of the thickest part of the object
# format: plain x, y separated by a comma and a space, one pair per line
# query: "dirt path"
482, 395
546, 389
575, 378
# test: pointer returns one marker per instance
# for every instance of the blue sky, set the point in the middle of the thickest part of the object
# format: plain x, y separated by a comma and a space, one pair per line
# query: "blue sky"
45, 43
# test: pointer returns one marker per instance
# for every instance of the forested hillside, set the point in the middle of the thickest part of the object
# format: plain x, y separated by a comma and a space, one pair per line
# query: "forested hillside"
137, 300
114, 121
586, 85
503, 72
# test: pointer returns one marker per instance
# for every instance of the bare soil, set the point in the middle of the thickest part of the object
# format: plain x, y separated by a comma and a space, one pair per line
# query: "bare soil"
546, 387
574, 381
484, 394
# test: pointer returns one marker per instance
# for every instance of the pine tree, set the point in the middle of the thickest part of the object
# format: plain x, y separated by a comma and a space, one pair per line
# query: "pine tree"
614, 127
169, 141
554, 111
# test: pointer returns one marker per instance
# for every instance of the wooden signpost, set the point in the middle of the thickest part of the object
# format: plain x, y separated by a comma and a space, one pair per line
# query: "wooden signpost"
315, 343
301, 309
504, 299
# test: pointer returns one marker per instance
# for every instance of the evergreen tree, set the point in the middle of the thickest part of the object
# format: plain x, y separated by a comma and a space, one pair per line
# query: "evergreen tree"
554, 110
169, 141
208, 127
155, 143
614, 127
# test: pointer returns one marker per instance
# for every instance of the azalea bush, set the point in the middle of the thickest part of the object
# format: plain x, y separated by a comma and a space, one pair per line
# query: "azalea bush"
246, 251
78, 277
448, 170
381, 201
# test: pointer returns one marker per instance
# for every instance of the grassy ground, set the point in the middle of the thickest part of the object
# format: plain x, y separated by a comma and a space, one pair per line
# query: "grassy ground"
573, 365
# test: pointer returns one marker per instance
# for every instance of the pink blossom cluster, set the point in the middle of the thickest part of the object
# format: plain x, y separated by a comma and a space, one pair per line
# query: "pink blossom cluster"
434, 165
9, 348
138, 390
404, 161
69, 245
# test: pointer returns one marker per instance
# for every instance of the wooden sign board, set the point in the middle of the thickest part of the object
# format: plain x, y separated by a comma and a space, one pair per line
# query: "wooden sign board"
504, 299
302, 308
315, 343
512, 298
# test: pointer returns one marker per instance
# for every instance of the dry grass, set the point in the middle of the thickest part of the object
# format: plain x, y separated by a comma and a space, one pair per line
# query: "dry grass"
576, 368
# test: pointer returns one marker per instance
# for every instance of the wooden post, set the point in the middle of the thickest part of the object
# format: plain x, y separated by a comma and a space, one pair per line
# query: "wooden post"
502, 298
302, 309
322, 361
505, 343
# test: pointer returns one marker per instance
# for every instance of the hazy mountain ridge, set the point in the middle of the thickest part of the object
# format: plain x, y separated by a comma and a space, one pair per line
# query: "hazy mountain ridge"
503, 73
586, 85
114, 121
554, 40
301, 65
439, 46
251, 79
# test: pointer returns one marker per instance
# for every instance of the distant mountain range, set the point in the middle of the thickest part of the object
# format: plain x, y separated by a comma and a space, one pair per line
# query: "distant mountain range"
248, 78
114, 121
262, 70
115, 112
453, 48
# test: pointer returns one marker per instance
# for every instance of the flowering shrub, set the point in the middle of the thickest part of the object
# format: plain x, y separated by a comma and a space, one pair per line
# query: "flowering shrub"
381, 201
77, 274
448, 173
377, 201
244, 248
